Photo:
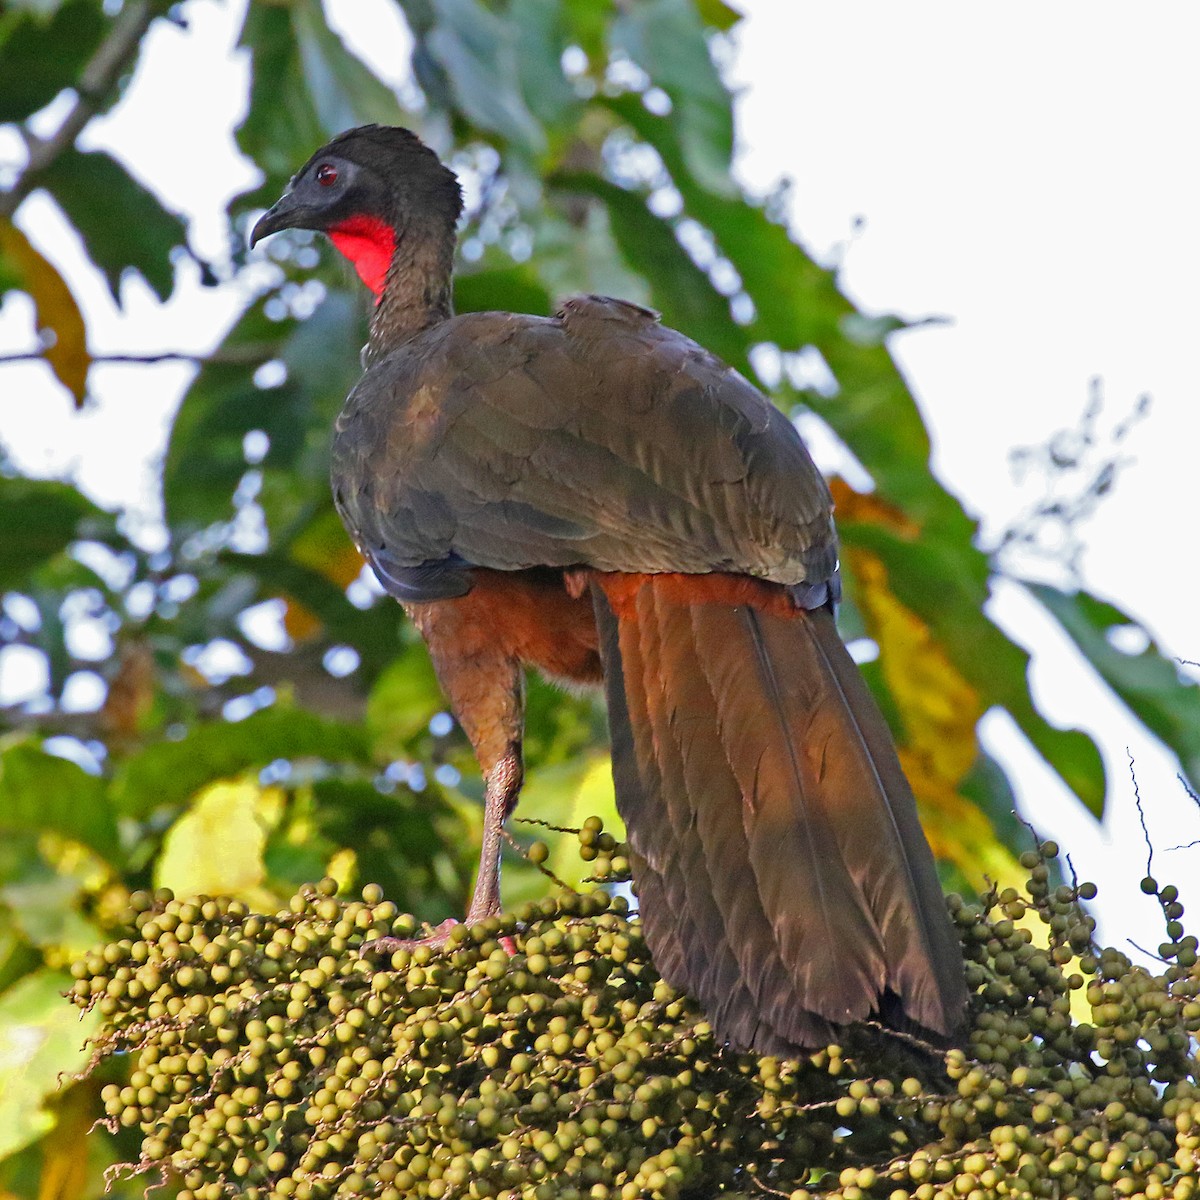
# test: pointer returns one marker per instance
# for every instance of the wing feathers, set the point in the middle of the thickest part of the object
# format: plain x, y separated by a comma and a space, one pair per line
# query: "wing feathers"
486, 409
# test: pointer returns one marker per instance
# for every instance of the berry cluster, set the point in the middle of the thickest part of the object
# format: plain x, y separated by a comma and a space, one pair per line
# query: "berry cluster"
539, 1055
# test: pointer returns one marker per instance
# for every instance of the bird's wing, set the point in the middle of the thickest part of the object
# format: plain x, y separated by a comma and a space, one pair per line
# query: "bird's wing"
598, 437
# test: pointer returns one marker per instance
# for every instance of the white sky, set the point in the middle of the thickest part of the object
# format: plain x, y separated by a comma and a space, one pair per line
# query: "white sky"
1028, 173
1031, 174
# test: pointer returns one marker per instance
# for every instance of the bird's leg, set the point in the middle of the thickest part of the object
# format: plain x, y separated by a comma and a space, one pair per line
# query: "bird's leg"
502, 786
486, 690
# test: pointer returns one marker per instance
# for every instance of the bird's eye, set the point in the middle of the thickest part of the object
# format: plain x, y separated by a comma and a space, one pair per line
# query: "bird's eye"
326, 175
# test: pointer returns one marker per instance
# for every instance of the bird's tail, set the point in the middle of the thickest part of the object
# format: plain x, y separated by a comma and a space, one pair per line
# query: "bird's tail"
784, 878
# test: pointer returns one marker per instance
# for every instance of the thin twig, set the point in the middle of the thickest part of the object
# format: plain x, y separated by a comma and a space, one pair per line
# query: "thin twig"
233, 356
1148, 953
544, 824
758, 1183
1187, 787
96, 81
1033, 833
1137, 799
910, 1039
1074, 877
512, 841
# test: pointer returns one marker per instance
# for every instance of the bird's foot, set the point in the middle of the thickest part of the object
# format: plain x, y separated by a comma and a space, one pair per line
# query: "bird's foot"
435, 940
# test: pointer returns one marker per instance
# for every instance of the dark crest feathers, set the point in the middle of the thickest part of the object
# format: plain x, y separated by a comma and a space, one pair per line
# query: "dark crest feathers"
416, 174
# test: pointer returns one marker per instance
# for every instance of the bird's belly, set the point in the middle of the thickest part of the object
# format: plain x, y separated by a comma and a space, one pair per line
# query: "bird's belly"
527, 615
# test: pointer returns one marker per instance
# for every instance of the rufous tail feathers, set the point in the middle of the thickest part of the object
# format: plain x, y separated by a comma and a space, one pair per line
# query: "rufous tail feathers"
784, 878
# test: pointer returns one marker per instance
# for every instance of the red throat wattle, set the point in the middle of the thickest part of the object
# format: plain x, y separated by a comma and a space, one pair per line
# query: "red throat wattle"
369, 244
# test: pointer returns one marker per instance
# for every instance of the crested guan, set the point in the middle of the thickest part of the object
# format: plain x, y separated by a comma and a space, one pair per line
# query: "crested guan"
597, 496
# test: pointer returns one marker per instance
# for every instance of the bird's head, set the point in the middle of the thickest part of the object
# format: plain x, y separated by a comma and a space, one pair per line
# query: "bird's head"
365, 189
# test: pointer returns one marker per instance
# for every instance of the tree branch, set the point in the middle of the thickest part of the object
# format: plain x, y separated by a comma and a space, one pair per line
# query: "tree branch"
96, 81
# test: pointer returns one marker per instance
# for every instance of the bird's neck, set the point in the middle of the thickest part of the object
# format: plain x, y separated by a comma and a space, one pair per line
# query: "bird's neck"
408, 270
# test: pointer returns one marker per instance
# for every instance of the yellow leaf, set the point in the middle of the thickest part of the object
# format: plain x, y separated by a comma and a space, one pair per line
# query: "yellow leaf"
55, 307
958, 831
849, 505
65, 1148
940, 709
565, 795
322, 547
216, 848
300, 622
342, 867
594, 797
41, 1038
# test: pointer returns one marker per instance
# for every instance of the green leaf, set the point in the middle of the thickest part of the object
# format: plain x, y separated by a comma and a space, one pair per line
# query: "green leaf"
404, 699
541, 37
666, 39
587, 23
296, 862
170, 773
511, 288
718, 15
678, 288
344, 92
372, 632
1146, 682
305, 87
11, 275
41, 1037
560, 728
40, 57
323, 363
415, 845
45, 907
205, 458
581, 256
988, 788
475, 53
797, 300
41, 519
40, 791
798, 304
322, 352
123, 224
282, 126
17, 957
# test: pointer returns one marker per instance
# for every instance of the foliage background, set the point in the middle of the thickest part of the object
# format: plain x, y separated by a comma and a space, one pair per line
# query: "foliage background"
228, 754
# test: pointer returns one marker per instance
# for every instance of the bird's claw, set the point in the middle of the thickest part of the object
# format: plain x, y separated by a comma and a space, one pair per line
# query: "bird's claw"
435, 940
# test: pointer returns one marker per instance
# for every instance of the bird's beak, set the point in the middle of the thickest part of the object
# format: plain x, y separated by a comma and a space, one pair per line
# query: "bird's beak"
286, 213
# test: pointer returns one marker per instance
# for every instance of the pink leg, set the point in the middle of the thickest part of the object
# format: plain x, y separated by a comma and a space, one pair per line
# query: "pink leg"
499, 799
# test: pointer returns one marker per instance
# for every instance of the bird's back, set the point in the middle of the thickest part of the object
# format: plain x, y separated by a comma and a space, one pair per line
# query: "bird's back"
595, 437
